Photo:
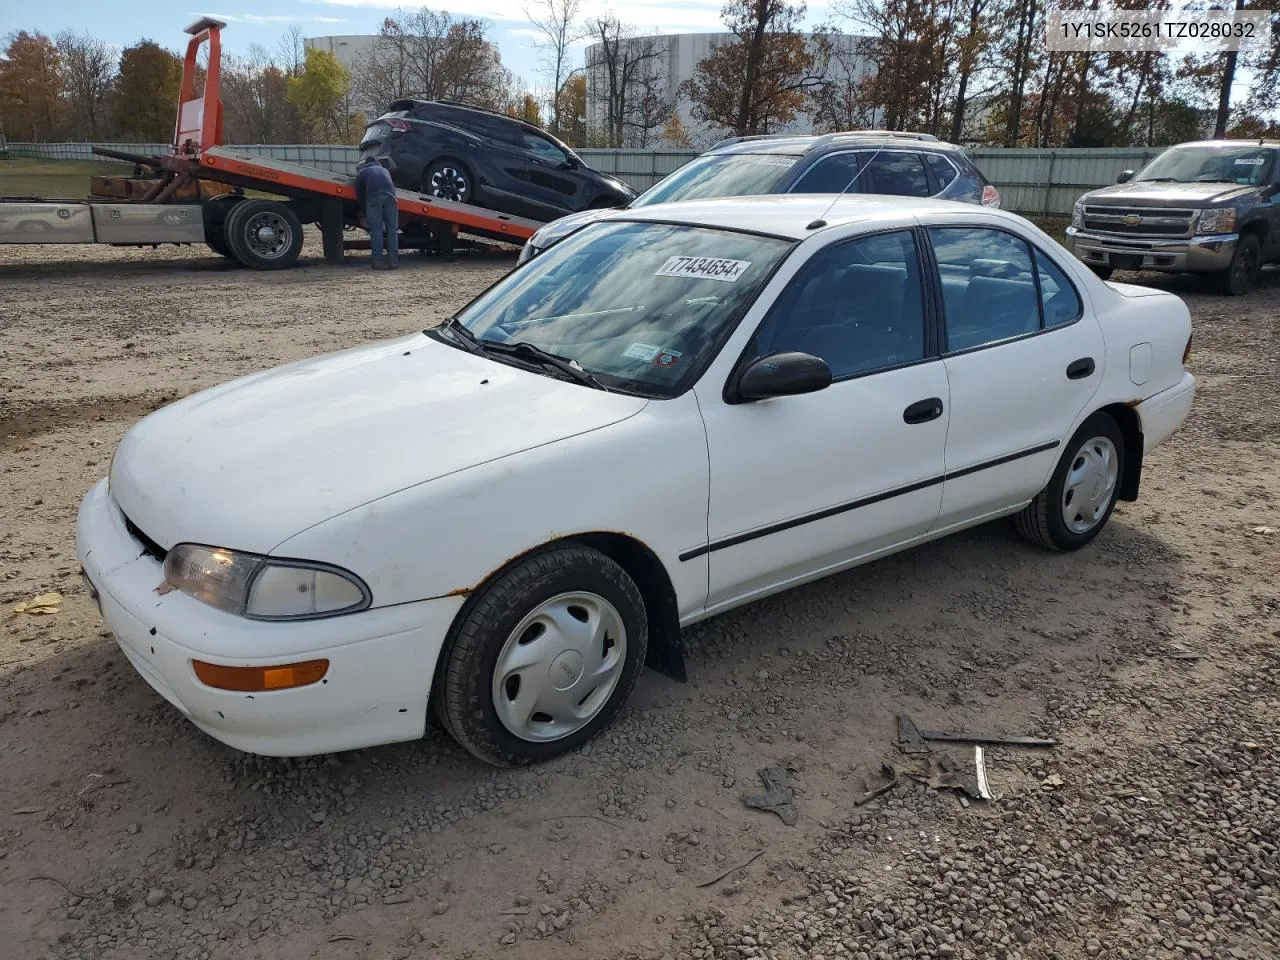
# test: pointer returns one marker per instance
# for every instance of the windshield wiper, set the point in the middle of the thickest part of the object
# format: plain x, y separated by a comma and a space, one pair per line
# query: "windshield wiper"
523, 350
1158, 180
462, 334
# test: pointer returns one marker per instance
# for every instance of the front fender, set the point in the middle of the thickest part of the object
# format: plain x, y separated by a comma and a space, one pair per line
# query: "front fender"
645, 477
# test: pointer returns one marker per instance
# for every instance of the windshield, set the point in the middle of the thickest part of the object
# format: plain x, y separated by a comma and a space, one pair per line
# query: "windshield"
735, 175
1248, 166
639, 305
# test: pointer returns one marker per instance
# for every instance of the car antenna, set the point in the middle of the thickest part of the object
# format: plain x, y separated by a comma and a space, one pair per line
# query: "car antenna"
822, 220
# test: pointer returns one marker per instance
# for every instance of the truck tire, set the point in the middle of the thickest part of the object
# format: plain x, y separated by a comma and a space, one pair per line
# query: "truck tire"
1242, 273
264, 234
216, 211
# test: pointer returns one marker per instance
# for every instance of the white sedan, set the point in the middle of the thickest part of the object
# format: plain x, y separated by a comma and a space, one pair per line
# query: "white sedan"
676, 411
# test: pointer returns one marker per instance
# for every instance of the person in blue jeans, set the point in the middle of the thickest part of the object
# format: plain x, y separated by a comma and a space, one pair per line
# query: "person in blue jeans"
376, 197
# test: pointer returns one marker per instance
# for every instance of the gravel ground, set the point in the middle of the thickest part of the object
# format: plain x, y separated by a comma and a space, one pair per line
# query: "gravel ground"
1151, 831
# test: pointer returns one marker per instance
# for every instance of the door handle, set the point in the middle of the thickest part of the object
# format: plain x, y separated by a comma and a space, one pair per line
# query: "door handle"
1079, 369
922, 411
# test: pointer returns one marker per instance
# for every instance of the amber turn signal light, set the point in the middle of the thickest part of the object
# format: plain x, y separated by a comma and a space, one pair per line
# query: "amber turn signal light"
261, 679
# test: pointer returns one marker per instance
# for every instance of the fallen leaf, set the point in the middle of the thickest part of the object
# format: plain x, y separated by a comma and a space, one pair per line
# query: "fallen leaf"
42, 605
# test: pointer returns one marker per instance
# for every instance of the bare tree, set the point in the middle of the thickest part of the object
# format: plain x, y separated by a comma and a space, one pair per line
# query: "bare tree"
557, 24
88, 67
626, 82
841, 101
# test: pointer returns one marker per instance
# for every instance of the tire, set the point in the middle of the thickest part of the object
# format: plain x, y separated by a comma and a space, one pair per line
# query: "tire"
264, 234
1063, 516
449, 179
1104, 273
483, 671
215, 213
1242, 273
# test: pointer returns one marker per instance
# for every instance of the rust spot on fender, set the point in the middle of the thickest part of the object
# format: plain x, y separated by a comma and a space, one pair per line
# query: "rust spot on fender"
1133, 403
459, 592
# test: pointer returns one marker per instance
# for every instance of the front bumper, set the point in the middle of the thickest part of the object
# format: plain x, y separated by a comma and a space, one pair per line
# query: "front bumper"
381, 661
1205, 254
1162, 414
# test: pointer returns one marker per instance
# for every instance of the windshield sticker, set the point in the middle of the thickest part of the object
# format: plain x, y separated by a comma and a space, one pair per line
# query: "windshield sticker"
1250, 162
667, 358
641, 351
704, 268
772, 161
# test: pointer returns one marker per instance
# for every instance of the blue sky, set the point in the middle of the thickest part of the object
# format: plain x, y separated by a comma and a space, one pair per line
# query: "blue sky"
263, 21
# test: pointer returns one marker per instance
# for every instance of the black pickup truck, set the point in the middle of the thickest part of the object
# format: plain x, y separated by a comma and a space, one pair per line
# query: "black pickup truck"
1208, 207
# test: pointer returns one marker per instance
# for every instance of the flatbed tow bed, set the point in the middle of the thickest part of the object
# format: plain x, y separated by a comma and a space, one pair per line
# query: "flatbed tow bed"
195, 195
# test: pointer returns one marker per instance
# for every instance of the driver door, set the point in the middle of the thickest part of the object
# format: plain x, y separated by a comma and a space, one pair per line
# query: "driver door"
803, 485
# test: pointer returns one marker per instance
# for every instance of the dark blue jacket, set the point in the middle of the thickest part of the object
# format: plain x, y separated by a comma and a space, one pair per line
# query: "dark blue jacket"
373, 180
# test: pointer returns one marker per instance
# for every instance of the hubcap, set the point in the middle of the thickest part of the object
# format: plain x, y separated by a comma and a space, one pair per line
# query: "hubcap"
449, 183
268, 234
559, 667
1090, 484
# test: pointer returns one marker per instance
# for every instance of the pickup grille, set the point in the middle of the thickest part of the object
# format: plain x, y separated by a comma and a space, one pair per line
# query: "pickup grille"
1140, 221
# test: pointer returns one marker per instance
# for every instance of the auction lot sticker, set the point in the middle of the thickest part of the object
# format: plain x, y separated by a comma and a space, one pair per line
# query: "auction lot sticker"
704, 268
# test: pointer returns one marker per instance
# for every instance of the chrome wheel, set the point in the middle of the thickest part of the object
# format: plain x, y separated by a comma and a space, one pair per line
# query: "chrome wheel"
1090, 485
268, 234
449, 183
559, 667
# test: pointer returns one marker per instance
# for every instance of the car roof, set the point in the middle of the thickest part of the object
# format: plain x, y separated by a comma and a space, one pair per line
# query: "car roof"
790, 215
798, 145
1255, 142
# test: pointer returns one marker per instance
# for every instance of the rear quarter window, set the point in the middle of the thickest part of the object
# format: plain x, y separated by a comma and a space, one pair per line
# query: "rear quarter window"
942, 169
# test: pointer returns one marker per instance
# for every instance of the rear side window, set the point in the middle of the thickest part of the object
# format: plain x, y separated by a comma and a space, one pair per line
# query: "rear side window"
941, 169
894, 172
989, 287
1058, 297
831, 174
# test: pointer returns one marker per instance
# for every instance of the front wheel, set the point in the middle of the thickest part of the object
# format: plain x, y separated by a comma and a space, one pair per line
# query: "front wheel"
544, 657
1246, 264
1082, 492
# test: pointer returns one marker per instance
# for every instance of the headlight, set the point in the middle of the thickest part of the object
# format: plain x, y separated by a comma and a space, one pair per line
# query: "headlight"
263, 588
1219, 220
1077, 213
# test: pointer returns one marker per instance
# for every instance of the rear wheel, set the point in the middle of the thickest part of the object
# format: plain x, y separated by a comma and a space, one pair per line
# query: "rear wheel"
264, 234
215, 214
545, 656
1246, 264
448, 179
1082, 492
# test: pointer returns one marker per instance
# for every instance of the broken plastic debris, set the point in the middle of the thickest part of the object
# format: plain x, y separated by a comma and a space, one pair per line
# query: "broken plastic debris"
1052, 782
779, 797
42, 605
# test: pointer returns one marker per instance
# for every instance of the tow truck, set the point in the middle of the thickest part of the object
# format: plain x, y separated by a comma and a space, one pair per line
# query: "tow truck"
197, 194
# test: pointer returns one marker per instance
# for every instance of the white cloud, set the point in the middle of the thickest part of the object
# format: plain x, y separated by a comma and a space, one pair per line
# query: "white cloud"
666, 16
263, 18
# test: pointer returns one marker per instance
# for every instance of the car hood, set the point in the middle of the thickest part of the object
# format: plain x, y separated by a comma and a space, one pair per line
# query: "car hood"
252, 462
1149, 194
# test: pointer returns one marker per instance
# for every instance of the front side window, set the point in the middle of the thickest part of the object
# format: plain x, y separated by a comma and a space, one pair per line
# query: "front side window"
894, 172
642, 306
856, 304
542, 148
993, 290
834, 174
735, 175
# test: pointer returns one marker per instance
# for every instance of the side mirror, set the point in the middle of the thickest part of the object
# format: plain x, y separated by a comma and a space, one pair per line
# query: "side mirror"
571, 163
783, 375
1125, 176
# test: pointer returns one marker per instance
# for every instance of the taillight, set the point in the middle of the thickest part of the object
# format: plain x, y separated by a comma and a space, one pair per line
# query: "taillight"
398, 126
1186, 352
990, 196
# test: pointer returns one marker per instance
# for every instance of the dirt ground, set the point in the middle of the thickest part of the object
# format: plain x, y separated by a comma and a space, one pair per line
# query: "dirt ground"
1152, 830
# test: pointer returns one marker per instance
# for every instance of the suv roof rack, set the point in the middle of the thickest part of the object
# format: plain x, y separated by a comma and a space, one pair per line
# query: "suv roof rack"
904, 134
754, 136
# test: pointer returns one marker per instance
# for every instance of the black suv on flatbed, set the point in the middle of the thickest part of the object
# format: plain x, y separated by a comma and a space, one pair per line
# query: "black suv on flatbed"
858, 161
470, 155
1209, 207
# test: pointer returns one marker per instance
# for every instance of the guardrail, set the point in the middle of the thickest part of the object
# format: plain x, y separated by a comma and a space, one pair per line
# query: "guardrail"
1031, 182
